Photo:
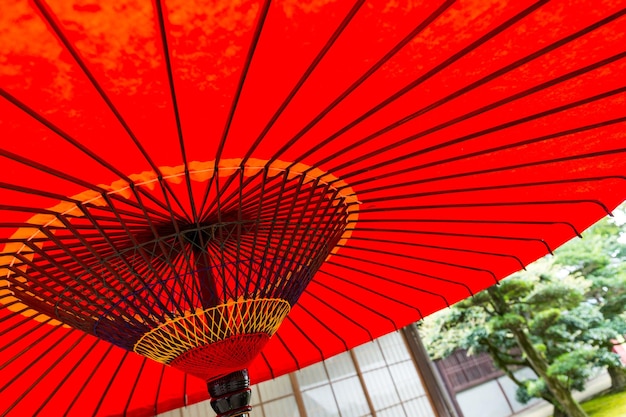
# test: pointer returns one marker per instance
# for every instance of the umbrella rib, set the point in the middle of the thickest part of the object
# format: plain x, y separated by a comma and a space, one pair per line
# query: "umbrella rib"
54, 293
354, 300
267, 363
79, 204
469, 221
423, 232
411, 85
338, 311
67, 375
278, 261
239, 234
305, 76
318, 58
598, 203
72, 179
179, 128
74, 278
445, 248
41, 193
394, 50
328, 231
89, 378
306, 336
159, 241
14, 314
318, 241
401, 44
282, 342
242, 79
61, 133
417, 258
27, 349
402, 284
32, 210
138, 247
473, 86
49, 300
483, 132
323, 324
220, 233
110, 383
43, 323
272, 226
85, 266
256, 229
274, 190
158, 391
116, 254
47, 14
493, 150
274, 268
475, 221
47, 371
168, 262
132, 391
370, 290
499, 187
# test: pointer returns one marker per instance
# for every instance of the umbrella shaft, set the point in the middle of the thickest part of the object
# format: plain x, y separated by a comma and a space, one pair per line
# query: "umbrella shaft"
230, 395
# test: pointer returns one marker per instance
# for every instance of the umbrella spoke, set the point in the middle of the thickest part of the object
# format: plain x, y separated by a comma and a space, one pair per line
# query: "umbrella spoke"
377, 293
339, 312
46, 372
172, 88
498, 149
79, 146
417, 82
483, 132
393, 51
67, 376
305, 75
421, 274
471, 87
52, 21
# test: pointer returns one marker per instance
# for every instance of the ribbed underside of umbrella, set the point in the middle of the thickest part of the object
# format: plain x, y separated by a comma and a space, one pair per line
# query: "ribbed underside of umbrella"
176, 292
170, 169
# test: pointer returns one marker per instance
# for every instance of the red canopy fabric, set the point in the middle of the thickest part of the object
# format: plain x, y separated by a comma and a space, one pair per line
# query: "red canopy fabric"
464, 140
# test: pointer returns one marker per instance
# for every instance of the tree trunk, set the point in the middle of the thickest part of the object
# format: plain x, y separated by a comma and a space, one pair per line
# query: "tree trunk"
558, 413
563, 396
618, 378
564, 402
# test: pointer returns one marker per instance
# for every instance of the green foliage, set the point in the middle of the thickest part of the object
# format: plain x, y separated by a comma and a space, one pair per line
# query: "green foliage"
530, 389
507, 321
570, 307
574, 368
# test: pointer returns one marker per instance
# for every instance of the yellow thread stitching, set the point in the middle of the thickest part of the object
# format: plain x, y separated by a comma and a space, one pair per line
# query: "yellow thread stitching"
177, 336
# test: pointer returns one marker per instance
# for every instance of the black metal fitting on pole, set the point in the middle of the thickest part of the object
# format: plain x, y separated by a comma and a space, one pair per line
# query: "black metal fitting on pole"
230, 394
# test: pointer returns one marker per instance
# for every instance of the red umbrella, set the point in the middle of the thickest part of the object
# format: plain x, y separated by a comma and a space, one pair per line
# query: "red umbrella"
207, 187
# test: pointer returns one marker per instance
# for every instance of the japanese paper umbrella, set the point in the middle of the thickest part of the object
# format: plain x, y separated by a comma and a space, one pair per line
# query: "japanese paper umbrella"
192, 189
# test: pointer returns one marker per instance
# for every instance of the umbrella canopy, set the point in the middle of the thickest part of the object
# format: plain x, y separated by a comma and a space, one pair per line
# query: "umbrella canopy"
189, 188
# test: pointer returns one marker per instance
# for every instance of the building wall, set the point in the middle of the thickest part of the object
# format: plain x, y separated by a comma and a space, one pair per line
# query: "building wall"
501, 394
376, 379
474, 378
